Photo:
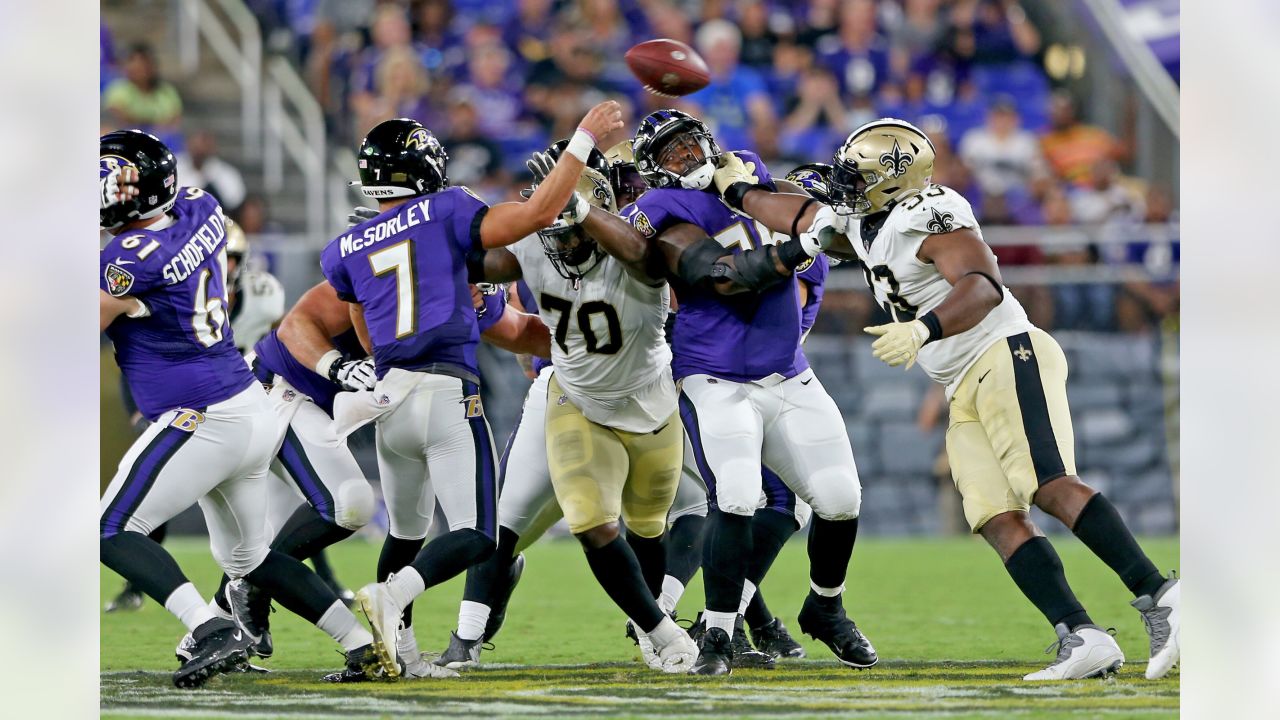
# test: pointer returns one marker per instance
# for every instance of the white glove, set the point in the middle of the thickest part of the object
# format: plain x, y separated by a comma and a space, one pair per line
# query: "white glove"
354, 374
118, 186
899, 342
361, 214
577, 209
827, 225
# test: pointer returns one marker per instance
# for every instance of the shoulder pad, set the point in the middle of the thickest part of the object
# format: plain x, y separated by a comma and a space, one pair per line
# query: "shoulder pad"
935, 211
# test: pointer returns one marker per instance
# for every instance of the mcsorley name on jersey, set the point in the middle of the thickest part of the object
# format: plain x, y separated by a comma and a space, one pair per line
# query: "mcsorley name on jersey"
417, 213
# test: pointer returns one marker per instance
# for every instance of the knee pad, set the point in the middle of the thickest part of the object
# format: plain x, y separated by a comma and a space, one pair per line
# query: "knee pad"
803, 514
354, 504
838, 496
240, 561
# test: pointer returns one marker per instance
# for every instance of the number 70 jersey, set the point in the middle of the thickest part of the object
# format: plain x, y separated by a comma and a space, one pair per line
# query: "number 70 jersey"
607, 342
907, 287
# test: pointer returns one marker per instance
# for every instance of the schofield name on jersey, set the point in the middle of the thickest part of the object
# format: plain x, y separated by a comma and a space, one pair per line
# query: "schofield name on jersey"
418, 212
203, 243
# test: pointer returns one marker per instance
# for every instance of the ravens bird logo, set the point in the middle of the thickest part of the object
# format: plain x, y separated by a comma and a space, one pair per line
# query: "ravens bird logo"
419, 138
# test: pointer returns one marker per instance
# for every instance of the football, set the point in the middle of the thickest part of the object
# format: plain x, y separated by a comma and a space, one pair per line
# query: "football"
668, 68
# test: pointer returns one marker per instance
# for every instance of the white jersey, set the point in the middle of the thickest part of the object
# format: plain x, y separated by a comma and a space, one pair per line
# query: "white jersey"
607, 345
259, 306
907, 287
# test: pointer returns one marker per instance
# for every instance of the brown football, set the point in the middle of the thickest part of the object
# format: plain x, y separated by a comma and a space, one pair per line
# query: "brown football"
668, 67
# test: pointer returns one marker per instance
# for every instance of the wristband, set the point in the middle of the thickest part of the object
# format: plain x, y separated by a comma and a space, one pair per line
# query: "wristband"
792, 254
931, 321
735, 193
581, 144
326, 362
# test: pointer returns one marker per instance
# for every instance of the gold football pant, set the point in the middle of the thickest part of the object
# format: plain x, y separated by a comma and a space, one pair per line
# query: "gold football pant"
600, 473
1010, 430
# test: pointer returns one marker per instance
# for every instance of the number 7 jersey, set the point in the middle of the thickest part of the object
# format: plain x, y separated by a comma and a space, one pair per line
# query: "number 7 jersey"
181, 355
907, 287
607, 345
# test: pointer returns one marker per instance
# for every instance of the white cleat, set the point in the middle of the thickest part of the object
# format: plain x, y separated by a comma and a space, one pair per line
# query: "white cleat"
645, 643
1162, 615
383, 614
1088, 652
676, 651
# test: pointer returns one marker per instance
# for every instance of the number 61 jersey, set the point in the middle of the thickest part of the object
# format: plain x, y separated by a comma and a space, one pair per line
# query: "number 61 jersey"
907, 287
607, 346
182, 353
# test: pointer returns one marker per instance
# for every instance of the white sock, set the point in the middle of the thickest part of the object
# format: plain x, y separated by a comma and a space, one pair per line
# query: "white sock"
405, 585
472, 617
217, 610
341, 625
722, 620
188, 606
407, 646
748, 592
672, 591
826, 592
664, 634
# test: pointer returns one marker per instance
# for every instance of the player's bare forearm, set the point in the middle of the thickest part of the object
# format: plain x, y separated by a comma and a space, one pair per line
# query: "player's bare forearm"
361, 327
970, 266
778, 210
308, 329
519, 333
624, 243
496, 266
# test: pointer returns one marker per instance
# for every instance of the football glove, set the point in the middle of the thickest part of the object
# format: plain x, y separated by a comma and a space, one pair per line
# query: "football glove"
361, 214
540, 164
118, 186
734, 178
826, 227
354, 374
899, 342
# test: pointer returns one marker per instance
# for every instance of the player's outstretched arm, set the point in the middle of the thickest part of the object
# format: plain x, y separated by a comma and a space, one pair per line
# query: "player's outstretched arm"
507, 223
970, 266
519, 333
688, 254
308, 329
493, 266
626, 244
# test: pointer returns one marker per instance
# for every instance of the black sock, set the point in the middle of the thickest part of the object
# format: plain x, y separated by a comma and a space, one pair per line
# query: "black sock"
830, 547
451, 553
652, 557
486, 581
724, 559
757, 614
143, 564
1037, 571
618, 572
303, 536
160, 533
1101, 529
684, 547
294, 586
320, 561
396, 554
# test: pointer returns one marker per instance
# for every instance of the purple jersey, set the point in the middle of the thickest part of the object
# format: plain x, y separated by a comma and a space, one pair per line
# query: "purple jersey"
182, 355
495, 305
273, 358
814, 274
407, 267
530, 304
741, 337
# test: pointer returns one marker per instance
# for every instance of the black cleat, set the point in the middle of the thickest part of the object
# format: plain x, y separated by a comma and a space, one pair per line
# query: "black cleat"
824, 619
498, 614
220, 646
129, 599
715, 656
697, 630
362, 666
774, 639
745, 656
251, 610
460, 653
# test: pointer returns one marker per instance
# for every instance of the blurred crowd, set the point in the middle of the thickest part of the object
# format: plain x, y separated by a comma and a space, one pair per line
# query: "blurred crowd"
498, 80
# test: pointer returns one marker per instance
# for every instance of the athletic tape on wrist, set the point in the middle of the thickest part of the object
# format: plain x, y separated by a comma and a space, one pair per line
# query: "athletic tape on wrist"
581, 144
326, 361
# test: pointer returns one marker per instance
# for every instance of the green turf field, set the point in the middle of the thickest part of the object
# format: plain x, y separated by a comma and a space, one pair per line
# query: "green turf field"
953, 633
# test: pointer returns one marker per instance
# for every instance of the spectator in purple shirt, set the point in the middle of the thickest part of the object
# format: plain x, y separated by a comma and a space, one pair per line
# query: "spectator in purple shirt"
857, 55
736, 103
497, 100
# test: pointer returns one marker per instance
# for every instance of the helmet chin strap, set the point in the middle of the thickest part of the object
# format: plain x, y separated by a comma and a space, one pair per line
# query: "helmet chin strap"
699, 179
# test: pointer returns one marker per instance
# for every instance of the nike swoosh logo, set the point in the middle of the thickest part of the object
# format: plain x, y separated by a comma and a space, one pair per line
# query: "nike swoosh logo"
984, 375
806, 382
664, 427
123, 262
238, 636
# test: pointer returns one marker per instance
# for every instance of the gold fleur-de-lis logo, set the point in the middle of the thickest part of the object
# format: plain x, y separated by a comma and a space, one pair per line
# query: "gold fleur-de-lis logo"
1023, 353
895, 161
941, 222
